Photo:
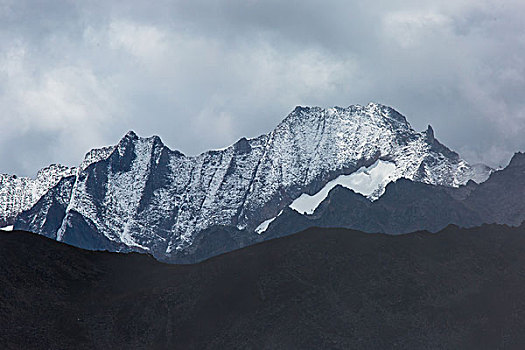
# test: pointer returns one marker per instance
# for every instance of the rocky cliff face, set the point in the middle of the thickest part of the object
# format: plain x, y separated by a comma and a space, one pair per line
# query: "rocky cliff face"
140, 195
21, 193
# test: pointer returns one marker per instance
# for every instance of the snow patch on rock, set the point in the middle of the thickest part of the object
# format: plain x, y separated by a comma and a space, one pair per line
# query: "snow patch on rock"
368, 181
265, 224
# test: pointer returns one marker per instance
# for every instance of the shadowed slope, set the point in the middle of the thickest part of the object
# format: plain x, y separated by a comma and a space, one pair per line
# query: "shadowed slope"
322, 288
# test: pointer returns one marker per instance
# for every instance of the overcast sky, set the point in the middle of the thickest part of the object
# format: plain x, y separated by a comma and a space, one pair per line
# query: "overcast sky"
201, 74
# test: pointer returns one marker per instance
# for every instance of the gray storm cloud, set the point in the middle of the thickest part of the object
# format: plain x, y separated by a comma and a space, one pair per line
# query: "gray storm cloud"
201, 74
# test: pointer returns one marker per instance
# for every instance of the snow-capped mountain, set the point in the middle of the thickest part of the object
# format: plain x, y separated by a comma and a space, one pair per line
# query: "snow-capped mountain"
21, 193
140, 195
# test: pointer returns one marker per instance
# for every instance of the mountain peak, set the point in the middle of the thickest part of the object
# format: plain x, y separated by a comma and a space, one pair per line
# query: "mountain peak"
372, 110
430, 134
131, 135
389, 112
299, 109
57, 170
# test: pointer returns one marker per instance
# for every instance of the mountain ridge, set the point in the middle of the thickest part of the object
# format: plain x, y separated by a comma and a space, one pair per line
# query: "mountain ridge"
145, 196
408, 206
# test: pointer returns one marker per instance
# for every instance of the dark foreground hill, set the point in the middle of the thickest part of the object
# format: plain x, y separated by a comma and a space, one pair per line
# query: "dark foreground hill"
322, 288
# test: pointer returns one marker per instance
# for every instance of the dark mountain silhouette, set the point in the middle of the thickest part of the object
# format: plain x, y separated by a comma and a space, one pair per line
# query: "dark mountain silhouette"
322, 288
